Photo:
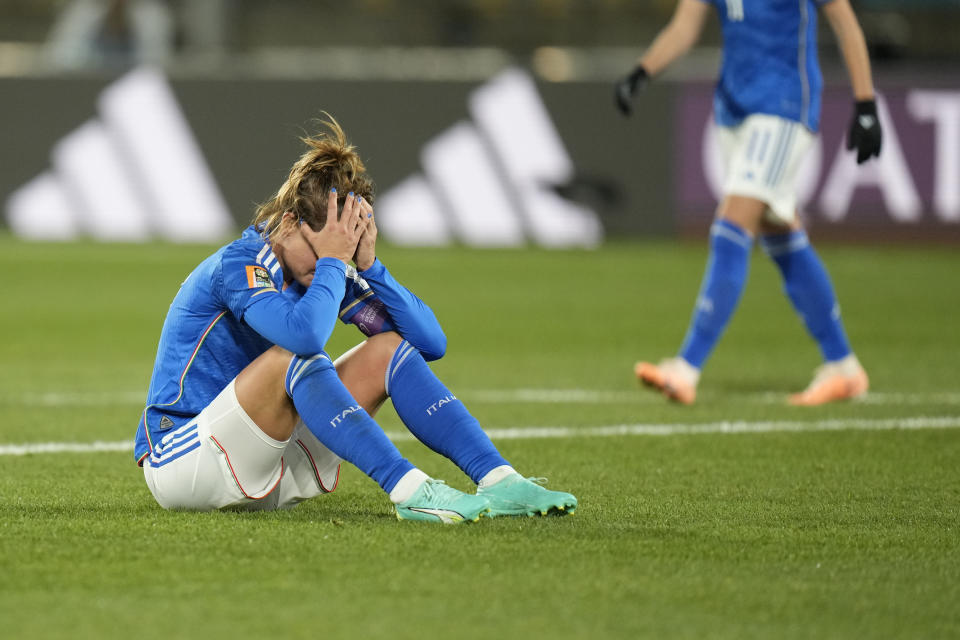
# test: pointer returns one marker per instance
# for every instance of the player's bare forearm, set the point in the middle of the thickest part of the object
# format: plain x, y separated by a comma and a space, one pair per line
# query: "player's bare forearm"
849, 35
673, 41
677, 38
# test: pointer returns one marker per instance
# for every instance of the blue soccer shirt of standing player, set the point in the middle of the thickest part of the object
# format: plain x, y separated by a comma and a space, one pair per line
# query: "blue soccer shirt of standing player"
206, 340
770, 62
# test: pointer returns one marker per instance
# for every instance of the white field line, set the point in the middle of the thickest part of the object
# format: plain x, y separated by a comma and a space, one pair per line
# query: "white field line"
64, 447
76, 399
523, 433
497, 396
640, 396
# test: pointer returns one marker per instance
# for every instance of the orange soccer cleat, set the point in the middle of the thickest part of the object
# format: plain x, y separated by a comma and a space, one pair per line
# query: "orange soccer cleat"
674, 377
841, 380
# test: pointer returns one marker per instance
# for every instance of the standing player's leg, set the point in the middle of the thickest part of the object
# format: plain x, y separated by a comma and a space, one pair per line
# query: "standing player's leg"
386, 365
806, 282
731, 239
763, 156
753, 152
807, 285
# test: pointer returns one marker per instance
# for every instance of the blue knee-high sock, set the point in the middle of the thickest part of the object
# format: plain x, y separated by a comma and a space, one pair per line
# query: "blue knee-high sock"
335, 418
723, 283
436, 417
807, 284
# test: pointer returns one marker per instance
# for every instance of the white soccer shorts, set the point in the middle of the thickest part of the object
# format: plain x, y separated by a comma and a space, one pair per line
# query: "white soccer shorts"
762, 156
236, 465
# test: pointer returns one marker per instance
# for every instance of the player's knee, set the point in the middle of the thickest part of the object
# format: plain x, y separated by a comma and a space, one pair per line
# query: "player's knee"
382, 347
261, 392
263, 379
370, 358
276, 359
270, 365
387, 340
777, 228
747, 213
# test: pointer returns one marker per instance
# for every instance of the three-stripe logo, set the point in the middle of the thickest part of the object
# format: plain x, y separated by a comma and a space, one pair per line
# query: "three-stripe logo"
132, 173
488, 182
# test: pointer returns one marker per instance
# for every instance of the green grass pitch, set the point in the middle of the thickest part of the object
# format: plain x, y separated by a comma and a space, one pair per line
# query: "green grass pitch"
822, 531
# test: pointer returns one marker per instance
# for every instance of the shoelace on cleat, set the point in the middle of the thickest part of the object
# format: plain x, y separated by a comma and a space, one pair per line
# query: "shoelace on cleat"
435, 488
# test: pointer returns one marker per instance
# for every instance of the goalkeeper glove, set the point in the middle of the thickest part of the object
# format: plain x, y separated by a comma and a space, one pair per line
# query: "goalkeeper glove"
628, 87
865, 134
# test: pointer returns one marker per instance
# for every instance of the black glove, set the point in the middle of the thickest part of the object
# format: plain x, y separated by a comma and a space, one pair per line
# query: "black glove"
865, 134
628, 87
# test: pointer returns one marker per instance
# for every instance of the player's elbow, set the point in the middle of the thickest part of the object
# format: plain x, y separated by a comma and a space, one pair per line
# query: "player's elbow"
434, 346
305, 347
308, 343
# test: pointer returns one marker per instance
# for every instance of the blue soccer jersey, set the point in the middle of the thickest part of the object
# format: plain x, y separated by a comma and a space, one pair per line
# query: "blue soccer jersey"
234, 306
770, 61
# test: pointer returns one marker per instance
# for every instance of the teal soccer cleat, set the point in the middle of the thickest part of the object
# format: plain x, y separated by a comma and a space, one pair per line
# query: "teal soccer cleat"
436, 502
519, 496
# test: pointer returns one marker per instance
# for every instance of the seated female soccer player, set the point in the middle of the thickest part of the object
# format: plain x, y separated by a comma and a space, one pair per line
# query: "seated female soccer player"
246, 410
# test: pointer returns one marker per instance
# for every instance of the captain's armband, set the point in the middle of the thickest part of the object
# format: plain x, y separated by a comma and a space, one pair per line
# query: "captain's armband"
369, 314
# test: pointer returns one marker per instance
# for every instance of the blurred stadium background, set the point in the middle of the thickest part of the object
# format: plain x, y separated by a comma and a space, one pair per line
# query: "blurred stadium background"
406, 79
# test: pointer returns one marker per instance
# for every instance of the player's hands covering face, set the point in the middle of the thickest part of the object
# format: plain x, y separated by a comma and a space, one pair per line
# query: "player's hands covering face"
366, 251
340, 235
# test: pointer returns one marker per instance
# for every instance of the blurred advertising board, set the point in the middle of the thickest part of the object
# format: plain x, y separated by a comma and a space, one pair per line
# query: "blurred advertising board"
510, 161
505, 162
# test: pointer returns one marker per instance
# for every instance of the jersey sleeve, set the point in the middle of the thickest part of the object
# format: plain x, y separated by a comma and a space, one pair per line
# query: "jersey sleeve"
376, 302
301, 324
243, 277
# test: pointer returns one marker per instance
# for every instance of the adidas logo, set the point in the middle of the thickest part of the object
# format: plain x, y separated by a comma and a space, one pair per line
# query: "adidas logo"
133, 173
492, 182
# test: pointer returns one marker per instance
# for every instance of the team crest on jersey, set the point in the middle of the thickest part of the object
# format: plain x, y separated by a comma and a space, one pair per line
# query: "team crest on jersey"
258, 277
